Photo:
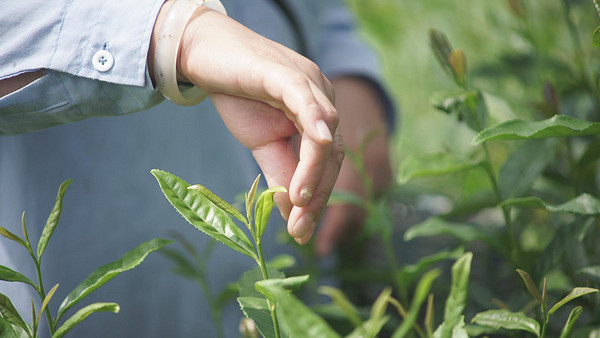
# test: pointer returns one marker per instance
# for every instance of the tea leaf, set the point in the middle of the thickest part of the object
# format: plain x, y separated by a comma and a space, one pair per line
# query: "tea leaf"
458, 62
46, 301
107, 272
203, 214
219, 202
82, 314
584, 204
10, 314
457, 299
434, 226
7, 330
596, 37
575, 293
457, 331
556, 126
592, 271
295, 318
250, 196
5, 233
436, 164
53, 219
442, 49
524, 165
468, 106
264, 206
409, 273
566, 235
573, 316
340, 299
530, 284
257, 309
419, 297
505, 319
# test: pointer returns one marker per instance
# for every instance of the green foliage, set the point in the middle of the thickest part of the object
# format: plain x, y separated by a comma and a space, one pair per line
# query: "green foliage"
11, 322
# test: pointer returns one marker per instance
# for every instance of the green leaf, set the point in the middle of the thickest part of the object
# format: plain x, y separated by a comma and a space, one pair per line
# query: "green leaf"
435, 226
556, 126
7, 330
530, 284
467, 106
9, 275
82, 314
250, 198
567, 235
457, 299
107, 272
253, 303
573, 316
592, 271
5, 233
378, 313
575, 293
46, 301
257, 309
53, 219
596, 37
203, 214
281, 262
457, 331
219, 202
442, 49
458, 62
419, 297
264, 206
505, 319
436, 164
10, 314
340, 299
524, 165
295, 318
584, 204
409, 273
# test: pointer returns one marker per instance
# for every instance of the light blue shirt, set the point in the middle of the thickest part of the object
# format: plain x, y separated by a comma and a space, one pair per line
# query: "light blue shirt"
114, 203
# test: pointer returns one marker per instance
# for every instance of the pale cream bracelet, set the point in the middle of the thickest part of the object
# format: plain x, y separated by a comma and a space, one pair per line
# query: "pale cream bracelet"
167, 50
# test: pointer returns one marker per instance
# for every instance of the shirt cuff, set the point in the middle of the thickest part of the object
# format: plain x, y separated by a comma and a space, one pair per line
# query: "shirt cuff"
106, 40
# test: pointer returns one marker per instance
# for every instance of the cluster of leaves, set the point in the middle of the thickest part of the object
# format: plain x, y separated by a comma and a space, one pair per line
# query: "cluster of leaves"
538, 173
12, 324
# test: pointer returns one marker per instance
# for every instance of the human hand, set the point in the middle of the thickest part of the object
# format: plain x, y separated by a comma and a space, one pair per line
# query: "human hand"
266, 94
361, 117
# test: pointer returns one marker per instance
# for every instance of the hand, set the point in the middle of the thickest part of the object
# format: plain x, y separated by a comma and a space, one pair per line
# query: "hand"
266, 94
361, 115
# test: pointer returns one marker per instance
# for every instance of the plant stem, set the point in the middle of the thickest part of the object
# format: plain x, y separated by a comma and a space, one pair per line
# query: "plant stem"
514, 249
265, 274
42, 293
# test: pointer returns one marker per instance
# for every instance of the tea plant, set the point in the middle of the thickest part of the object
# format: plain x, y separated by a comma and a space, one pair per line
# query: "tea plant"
537, 173
12, 324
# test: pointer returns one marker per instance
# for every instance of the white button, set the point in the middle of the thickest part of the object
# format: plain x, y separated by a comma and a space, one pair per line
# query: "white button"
103, 60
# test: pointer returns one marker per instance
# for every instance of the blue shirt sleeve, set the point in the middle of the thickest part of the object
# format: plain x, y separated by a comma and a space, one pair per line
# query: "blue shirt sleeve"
93, 51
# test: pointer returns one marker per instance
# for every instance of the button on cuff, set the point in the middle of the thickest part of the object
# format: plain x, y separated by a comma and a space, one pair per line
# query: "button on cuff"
103, 61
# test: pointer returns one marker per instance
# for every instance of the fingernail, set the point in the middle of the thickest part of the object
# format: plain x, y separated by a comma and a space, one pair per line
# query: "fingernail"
304, 224
323, 131
306, 193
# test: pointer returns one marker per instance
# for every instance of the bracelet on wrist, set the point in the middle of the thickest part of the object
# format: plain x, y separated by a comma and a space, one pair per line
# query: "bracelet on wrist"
167, 51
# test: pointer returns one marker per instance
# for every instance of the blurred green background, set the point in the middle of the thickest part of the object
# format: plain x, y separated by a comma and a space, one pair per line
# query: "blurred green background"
512, 47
